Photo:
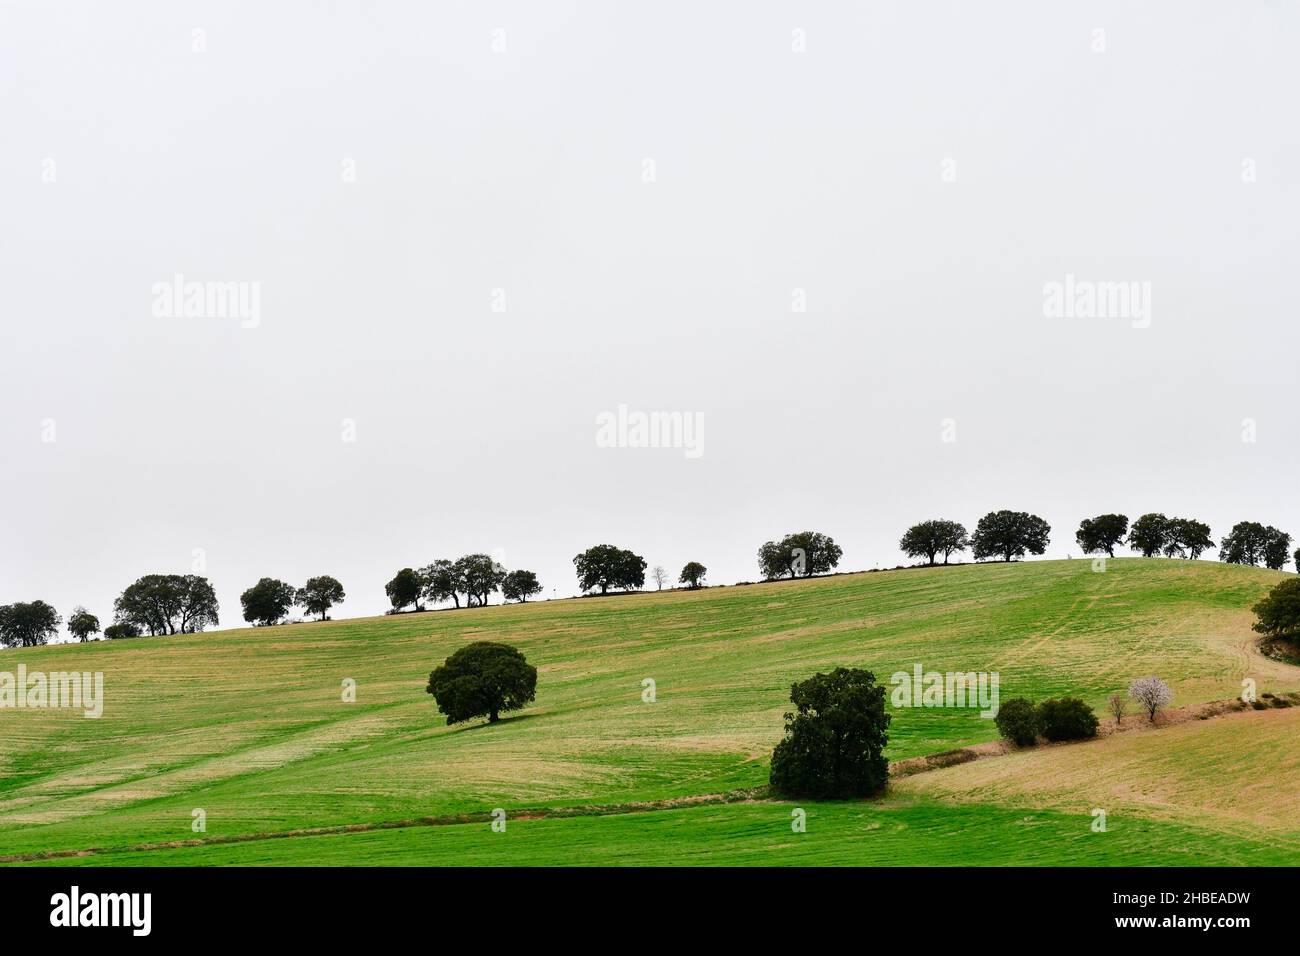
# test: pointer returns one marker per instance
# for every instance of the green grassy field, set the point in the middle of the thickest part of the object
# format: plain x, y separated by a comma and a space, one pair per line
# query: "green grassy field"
250, 726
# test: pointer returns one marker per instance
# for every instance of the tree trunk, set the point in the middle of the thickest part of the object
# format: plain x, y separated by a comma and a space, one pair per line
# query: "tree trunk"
493, 717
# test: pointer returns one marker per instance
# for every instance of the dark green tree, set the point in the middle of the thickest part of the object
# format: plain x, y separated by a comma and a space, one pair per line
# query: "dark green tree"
168, 604
1186, 538
520, 586
120, 630
1250, 542
1101, 533
1149, 534
605, 566
440, 581
1279, 613
478, 576
320, 594
835, 738
802, 554
1009, 534
1275, 549
404, 589
929, 539
693, 574
82, 624
28, 624
1017, 721
1066, 719
268, 601
483, 679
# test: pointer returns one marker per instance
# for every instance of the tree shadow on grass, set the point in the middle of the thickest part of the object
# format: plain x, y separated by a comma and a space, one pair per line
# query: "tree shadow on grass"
479, 725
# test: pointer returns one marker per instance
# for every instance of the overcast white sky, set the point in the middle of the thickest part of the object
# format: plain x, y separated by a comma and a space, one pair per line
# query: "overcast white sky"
1163, 151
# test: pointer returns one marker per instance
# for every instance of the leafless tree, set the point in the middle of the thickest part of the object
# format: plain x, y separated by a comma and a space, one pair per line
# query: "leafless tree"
1117, 707
660, 576
1150, 693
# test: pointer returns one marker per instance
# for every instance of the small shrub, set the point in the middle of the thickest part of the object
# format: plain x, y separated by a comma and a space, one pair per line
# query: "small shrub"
1259, 705
1066, 719
1017, 721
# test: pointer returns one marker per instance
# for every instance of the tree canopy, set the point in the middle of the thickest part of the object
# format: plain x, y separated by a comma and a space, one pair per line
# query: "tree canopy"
929, 539
268, 601
835, 738
605, 566
1101, 533
28, 624
1186, 538
520, 586
483, 679
1278, 614
440, 581
320, 594
404, 589
1149, 534
693, 574
82, 624
168, 604
478, 576
1009, 534
802, 554
1250, 542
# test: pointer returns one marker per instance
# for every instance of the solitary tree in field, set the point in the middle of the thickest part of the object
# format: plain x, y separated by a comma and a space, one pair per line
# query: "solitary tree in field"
929, 539
660, 577
483, 679
1101, 533
1150, 693
320, 594
1118, 706
404, 589
693, 574
268, 601
802, 554
520, 585
605, 566
82, 624
1278, 614
835, 738
1149, 534
28, 624
1009, 534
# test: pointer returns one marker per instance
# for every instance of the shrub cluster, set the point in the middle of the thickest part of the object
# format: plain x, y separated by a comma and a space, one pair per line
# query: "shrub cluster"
1068, 718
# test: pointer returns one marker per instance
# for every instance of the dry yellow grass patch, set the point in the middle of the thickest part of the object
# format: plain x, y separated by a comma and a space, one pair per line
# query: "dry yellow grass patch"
1241, 771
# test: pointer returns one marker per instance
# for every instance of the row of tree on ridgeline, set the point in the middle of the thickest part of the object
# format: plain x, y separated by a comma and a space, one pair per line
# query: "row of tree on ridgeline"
187, 603
1007, 535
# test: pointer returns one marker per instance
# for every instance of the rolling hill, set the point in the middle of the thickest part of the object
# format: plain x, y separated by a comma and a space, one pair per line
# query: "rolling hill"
250, 726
